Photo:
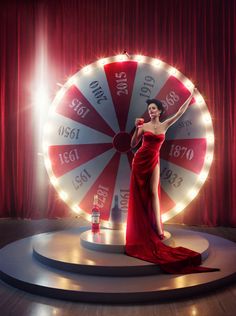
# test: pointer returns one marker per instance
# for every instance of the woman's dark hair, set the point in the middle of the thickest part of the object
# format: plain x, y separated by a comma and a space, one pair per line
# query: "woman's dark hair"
157, 102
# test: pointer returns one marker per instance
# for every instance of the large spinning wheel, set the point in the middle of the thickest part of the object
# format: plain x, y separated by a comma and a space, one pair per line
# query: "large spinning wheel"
87, 136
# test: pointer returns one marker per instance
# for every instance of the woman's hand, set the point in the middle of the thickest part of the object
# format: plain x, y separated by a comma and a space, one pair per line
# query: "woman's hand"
139, 122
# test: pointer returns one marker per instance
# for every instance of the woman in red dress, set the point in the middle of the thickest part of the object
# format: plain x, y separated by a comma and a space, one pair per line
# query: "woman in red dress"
144, 232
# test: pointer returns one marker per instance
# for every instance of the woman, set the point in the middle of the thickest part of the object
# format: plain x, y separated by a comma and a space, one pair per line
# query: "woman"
144, 230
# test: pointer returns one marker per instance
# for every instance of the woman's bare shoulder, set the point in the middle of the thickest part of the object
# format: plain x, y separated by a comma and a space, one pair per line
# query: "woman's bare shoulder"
145, 126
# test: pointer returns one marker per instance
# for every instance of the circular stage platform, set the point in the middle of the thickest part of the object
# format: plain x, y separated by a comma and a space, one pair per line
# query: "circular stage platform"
80, 266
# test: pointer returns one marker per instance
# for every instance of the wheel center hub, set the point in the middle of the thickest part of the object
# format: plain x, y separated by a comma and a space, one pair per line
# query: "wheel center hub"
121, 142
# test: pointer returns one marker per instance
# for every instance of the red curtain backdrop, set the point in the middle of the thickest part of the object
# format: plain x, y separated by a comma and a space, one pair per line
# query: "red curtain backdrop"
197, 37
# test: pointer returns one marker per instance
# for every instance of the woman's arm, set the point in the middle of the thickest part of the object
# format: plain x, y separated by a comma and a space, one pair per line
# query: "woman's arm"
137, 135
168, 122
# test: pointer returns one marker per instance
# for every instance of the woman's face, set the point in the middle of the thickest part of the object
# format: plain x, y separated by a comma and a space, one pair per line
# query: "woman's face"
153, 110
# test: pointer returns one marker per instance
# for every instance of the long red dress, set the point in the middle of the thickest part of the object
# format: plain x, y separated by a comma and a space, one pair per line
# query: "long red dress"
141, 235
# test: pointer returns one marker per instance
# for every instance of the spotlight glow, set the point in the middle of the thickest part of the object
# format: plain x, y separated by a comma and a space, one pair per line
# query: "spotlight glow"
59, 95
41, 98
47, 163
45, 146
52, 110
47, 129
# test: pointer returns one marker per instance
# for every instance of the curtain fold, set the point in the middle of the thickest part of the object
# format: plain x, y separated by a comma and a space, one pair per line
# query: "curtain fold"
197, 37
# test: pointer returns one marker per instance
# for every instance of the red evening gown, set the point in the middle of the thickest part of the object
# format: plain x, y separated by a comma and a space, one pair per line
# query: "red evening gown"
142, 239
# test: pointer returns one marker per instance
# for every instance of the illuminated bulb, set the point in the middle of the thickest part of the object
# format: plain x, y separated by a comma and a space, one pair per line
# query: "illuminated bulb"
54, 181
188, 84
209, 159
102, 61
157, 63
207, 118
139, 58
179, 207
71, 81
63, 195
172, 71
199, 99
121, 57
192, 193
202, 176
210, 138
76, 209
87, 69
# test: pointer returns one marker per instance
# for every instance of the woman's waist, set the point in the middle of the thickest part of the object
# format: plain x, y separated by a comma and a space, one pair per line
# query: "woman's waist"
146, 153
151, 149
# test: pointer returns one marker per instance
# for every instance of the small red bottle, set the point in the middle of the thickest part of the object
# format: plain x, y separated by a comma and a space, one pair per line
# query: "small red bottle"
95, 215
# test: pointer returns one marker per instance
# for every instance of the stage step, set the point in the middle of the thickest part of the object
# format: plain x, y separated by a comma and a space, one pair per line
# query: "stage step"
108, 240
79, 250
20, 268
